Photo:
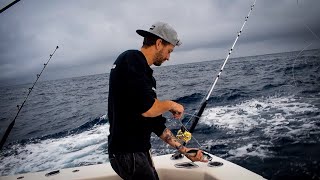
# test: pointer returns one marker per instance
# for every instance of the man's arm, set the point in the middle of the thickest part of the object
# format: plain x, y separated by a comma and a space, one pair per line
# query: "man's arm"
160, 107
169, 138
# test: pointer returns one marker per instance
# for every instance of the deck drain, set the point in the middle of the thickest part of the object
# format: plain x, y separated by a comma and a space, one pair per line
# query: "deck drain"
52, 173
215, 164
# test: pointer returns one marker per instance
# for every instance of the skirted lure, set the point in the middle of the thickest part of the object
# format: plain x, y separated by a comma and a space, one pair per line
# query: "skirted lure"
193, 152
186, 135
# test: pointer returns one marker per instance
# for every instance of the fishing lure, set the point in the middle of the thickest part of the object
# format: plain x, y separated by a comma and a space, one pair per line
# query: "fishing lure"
193, 152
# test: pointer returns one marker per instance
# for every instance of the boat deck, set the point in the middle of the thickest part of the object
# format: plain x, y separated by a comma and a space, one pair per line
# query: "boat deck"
165, 167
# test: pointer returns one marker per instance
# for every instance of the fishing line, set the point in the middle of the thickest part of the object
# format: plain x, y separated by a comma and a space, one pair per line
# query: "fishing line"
196, 116
192, 115
295, 62
314, 34
193, 138
6, 134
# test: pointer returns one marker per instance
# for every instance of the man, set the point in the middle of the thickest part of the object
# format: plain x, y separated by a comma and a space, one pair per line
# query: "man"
134, 111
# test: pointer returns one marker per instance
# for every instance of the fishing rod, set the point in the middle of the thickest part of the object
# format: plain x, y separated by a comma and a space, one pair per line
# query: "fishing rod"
8, 6
185, 134
6, 134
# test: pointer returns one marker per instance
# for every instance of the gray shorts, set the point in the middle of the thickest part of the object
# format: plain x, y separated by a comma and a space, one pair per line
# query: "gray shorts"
131, 166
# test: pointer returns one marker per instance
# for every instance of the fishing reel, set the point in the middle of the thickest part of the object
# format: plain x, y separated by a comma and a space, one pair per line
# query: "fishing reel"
184, 135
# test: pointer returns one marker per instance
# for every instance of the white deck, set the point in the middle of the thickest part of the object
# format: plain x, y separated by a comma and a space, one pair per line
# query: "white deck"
165, 168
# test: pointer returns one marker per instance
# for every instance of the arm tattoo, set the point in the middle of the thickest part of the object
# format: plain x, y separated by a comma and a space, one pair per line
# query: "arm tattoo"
179, 147
169, 138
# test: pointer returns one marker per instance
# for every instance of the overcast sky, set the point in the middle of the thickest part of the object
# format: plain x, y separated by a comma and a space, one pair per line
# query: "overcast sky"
92, 33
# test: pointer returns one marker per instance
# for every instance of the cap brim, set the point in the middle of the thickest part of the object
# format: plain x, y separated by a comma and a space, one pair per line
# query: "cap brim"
144, 33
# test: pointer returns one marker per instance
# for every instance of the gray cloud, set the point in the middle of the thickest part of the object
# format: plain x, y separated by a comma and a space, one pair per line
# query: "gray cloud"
92, 33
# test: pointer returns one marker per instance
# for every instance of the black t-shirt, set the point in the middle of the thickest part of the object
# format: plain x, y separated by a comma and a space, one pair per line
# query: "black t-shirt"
131, 93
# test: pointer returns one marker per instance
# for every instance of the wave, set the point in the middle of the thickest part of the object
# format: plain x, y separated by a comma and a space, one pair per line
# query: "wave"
253, 127
78, 130
303, 63
250, 150
270, 112
87, 147
190, 98
85, 127
273, 86
236, 94
229, 95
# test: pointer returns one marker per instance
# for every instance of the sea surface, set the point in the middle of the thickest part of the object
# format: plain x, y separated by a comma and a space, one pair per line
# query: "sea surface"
264, 115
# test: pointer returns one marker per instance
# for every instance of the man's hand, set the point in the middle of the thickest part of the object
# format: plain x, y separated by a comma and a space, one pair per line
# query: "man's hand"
191, 153
198, 156
176, 110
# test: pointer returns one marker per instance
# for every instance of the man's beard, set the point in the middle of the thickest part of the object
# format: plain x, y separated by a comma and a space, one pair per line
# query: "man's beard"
158, 58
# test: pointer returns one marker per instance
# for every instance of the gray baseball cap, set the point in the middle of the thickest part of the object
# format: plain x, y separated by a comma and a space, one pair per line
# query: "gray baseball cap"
162, 30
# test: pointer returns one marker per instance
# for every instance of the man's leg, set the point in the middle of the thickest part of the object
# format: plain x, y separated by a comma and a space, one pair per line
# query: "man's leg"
144, 167
133, 166
122, 164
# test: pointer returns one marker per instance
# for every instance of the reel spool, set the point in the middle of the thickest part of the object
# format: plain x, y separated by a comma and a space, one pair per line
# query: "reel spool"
184, 135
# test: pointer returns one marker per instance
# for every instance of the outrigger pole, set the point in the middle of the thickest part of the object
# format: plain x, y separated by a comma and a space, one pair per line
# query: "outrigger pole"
6, 134
183, 132
8, 6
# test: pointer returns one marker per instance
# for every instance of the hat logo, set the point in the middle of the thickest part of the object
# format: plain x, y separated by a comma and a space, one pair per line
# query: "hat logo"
152, 27
154, 89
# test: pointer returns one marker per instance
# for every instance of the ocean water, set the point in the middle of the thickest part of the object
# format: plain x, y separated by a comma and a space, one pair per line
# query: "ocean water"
264, 115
